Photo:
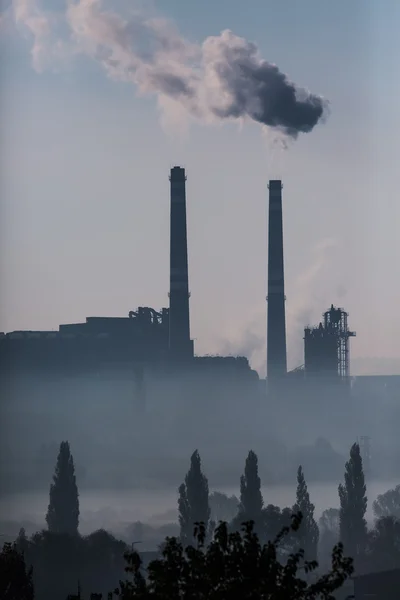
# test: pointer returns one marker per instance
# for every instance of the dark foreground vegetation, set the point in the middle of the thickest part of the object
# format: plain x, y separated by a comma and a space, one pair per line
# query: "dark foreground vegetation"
262, 552
232, 565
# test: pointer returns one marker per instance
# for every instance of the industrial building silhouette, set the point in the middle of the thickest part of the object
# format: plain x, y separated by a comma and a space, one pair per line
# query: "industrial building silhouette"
161, 338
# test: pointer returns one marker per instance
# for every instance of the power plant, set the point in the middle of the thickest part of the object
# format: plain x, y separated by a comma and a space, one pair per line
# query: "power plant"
160, 339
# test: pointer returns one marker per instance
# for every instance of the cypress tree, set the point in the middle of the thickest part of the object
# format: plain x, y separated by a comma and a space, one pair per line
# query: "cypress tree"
251, 500
353, 505
63, 511
193, 504
308, 532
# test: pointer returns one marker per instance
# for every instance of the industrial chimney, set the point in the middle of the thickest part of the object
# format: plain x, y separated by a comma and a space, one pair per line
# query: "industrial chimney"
180, 344
276, 322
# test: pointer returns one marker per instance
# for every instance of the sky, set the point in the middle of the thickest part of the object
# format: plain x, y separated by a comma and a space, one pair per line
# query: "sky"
85, 160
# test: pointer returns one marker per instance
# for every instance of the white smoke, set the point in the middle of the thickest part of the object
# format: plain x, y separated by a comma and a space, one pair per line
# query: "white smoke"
49, 49
223, 78
306, 301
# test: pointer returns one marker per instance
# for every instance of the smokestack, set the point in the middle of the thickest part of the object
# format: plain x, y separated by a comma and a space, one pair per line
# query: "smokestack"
180, 344
276, 322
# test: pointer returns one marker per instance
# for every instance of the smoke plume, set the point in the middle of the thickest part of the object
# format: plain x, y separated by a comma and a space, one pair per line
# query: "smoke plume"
308, 293
223, 78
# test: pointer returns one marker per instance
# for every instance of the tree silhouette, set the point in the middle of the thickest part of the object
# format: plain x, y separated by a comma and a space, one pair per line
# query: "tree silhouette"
223, 507
329, 531
63, 511
388, 504
234, 565
308, 533
193, 504
15, 578
353, 505
384, 545
22, 543
251, 500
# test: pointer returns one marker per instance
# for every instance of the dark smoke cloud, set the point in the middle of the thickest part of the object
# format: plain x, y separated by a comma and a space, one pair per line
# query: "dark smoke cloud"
258, 89
224, 78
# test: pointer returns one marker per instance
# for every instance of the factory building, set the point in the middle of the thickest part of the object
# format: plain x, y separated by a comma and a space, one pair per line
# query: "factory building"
159, 340
146, 340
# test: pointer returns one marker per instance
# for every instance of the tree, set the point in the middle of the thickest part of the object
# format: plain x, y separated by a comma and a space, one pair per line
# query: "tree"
193, 504
353, 505
60, 560
223, 507
251, 500
22, 543
15, 578
329, 531
384, 545
388, 504
63, 511
308, 533
274, 519
234, 565
329, 523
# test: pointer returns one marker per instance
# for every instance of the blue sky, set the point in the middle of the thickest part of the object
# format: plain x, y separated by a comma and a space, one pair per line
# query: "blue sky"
84, 185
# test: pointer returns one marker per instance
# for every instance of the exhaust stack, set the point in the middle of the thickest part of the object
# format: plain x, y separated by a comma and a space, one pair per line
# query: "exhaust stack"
180, 344
276, 321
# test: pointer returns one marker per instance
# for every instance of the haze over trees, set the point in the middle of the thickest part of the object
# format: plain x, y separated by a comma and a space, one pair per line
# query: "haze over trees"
223, 507
63, 511
269, 557
329, 532
353, 505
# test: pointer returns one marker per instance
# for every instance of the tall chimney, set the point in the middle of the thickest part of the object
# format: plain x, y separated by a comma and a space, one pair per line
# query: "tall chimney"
180, 344
276, 322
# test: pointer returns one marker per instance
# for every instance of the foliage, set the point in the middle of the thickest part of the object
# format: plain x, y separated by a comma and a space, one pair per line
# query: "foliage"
273, 520
63, 511
150, 536
388, 504
383, 548
223, 507
329, 531
234, 565
193, 505
329, 521
308, 533
353, 505
15, 579
22, 543
59, 561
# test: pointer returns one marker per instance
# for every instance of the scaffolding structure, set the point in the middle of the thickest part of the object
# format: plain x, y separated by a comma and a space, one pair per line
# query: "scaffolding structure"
326, 347
335, 320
